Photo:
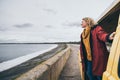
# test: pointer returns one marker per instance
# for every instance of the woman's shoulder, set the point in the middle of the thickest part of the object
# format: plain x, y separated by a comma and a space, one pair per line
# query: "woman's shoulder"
97, 26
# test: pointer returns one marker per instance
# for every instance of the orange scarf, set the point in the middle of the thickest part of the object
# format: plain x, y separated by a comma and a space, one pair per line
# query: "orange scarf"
86, 41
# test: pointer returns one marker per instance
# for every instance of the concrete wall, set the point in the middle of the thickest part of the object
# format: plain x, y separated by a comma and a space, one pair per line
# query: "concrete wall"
48, 70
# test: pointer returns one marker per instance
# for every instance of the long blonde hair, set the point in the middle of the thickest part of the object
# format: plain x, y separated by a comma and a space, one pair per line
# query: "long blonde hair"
89, 21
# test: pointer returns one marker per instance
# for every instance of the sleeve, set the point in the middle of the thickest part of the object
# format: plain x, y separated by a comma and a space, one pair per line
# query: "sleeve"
102, 35
108, 40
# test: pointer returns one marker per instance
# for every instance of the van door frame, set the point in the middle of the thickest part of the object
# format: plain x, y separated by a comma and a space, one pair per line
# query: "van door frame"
114, 75
113, 57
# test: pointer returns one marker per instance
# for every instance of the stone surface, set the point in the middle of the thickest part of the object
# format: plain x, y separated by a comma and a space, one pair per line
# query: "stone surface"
71, 70
48, 70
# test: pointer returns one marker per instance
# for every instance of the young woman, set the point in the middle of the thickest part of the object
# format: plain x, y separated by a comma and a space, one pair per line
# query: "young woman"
93, 50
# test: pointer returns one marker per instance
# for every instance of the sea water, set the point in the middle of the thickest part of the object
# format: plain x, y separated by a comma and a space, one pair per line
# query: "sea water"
14, 54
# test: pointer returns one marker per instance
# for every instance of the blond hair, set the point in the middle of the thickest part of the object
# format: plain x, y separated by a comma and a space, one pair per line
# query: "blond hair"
89, 21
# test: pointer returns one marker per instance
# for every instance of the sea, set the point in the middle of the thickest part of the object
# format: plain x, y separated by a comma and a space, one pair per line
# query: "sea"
14, 54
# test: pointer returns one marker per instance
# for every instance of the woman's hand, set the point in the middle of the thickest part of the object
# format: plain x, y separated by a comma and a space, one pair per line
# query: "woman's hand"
112, 35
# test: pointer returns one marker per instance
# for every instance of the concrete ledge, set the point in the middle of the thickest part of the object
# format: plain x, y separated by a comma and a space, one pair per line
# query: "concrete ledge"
48, 70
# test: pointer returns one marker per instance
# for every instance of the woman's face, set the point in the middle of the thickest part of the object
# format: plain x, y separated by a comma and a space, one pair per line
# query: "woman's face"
83, 24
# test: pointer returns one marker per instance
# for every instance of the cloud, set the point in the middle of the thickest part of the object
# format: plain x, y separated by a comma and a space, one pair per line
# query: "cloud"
50, 10
3, 28
48, 26
25, 25
72, 24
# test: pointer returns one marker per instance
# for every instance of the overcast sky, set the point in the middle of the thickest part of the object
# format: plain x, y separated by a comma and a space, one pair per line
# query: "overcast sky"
46, 20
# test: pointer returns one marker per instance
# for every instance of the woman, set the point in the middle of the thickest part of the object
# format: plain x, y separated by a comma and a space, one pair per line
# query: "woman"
93, 50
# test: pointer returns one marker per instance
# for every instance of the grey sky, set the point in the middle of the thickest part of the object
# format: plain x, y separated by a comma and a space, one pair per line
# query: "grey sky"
46, 20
